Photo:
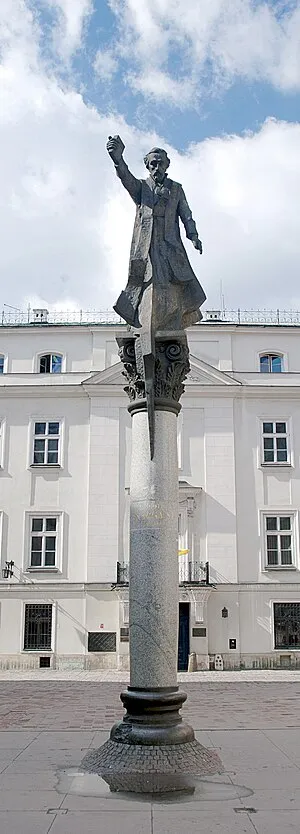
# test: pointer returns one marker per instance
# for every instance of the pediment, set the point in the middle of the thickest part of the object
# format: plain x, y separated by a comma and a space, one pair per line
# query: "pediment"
201, 373
109, 376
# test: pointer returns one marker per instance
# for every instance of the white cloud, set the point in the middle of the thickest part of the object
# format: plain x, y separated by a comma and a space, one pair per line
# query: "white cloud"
202, 46
71, 17
66, 221
105, 64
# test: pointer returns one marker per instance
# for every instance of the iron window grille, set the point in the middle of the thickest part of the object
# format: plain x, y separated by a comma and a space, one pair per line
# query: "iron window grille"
46, 443
2, 358
287, 625
275, 442
270, 363
279, 540
102, 641
38, 627
43, 542
50, 363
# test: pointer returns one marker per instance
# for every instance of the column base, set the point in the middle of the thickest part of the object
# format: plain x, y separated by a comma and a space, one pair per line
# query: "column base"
152, 750
152, 717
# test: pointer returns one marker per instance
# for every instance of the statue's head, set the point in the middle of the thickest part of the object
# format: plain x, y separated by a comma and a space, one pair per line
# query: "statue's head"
157, 162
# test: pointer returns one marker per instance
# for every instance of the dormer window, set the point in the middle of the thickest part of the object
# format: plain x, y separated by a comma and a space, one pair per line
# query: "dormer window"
2, 358
50, 363
270, 363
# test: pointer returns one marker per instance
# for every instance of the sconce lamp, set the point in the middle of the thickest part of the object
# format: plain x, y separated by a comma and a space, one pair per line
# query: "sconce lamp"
7, 572
224, 613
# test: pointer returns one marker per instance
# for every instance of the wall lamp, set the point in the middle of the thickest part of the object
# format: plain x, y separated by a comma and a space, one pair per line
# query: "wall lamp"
7, 572
224, 613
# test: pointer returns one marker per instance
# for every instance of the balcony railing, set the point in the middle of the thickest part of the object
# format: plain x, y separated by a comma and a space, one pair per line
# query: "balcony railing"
122, 573
191, 573
194, 573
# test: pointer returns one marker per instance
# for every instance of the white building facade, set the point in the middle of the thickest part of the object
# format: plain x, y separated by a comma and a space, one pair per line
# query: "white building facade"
64, 486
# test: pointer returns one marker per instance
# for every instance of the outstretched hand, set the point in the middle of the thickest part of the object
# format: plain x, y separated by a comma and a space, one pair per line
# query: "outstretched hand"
197, 244
115, 147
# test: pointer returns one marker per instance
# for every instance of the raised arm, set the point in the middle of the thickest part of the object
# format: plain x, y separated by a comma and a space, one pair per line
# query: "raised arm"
115, 148
185, 215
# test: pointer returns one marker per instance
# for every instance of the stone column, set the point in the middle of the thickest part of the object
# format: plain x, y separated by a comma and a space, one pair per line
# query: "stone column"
152, 748
153, 578
152, 699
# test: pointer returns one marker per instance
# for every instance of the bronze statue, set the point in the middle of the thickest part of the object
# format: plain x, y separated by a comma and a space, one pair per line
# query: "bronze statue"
163, 295
161, 282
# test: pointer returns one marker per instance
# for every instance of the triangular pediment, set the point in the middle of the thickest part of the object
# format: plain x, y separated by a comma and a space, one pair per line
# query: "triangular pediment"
109, 376
201, 373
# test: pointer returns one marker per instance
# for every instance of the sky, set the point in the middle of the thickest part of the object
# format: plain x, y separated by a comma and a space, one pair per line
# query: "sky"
215, 82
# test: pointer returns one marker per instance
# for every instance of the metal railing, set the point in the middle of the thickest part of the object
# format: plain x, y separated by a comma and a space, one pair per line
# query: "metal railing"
122, 573
191, 573
13, 317
194, 573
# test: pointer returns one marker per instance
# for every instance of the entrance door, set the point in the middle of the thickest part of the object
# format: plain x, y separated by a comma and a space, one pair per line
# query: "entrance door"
183, 636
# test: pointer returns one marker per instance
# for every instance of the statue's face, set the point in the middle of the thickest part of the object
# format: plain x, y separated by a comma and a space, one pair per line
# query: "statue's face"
157, 166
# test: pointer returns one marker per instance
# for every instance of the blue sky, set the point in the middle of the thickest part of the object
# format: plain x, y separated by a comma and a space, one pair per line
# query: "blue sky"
218, 82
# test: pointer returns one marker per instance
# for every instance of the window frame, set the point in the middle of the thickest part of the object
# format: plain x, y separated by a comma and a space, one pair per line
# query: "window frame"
32, 601
46, 437
43, 569
42, 418
281, 602
49, 353
287, 434
277, 353
5, 363
272, 512
2, 441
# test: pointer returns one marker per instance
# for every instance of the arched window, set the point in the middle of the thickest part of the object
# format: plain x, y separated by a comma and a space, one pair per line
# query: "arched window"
2, 359
270, 363
50, 363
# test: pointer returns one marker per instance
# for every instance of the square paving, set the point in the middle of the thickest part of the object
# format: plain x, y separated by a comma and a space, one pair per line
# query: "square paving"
47, 726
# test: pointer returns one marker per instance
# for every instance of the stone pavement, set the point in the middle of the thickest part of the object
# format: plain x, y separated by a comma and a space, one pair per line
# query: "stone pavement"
48, 725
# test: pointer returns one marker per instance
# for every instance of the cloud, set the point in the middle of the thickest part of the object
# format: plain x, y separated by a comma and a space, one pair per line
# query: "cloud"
105, 64
66, 221
202, 47
71, 16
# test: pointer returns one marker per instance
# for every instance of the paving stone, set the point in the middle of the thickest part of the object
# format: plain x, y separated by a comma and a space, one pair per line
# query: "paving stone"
31, 800
20, 823
277, 822
108, 822
194, 822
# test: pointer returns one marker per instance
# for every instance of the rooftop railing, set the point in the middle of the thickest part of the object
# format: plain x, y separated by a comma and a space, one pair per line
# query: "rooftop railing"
12, 317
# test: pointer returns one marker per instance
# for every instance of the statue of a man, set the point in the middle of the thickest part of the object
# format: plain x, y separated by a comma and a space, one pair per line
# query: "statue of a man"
161, 282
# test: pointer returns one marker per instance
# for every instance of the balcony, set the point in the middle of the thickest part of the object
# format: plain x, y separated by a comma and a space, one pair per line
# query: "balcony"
194, 573
122, 573
190, 573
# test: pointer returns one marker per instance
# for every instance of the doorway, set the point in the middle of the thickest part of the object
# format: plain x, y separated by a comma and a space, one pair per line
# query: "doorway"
183, 636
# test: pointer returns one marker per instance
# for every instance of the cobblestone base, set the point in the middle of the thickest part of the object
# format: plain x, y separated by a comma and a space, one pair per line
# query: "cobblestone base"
146, 768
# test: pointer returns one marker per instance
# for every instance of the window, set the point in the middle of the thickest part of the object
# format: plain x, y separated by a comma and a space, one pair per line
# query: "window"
38, 627
279, 535
43, 542
275, 442
50, 363
46, 443
287, 625
2, 359
270, 363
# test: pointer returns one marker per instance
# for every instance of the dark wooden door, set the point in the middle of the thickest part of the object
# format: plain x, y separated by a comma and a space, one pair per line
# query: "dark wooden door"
183, 636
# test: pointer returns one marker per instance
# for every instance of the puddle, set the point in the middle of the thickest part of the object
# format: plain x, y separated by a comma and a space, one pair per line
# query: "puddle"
152, 787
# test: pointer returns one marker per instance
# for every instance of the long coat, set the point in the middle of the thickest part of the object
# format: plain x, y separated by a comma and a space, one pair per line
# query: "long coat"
143, 194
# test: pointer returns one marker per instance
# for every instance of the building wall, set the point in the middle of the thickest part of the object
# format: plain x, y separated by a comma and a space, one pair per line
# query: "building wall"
224, 489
